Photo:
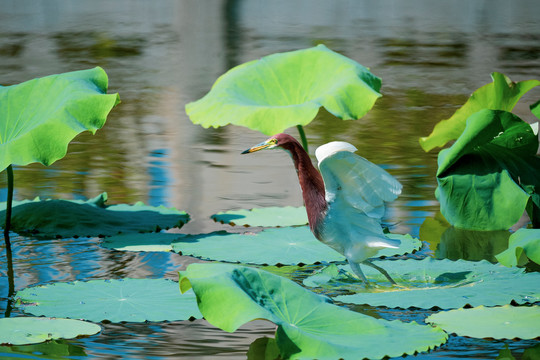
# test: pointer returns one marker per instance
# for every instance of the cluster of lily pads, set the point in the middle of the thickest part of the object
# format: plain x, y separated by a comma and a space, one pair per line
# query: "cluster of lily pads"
494, 155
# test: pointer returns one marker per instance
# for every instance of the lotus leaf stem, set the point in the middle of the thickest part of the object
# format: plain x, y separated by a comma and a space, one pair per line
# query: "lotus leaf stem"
8, 203
303, 137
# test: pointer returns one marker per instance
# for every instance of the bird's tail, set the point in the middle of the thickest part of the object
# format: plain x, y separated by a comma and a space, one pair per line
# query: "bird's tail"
384, 243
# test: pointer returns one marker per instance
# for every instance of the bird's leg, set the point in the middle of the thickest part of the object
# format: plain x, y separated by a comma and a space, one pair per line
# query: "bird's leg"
356, 269
380, 269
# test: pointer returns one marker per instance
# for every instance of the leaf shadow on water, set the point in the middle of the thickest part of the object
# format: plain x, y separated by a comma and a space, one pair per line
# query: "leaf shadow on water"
448, 242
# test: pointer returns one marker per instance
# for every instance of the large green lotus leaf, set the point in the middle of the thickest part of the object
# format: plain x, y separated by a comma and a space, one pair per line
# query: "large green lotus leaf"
501, 94
524, 242
308, 326
287, 89
506, 322
41, 116
431, 283
287, 246
487, 177
33, 330
268, 216
68, 218
131, 300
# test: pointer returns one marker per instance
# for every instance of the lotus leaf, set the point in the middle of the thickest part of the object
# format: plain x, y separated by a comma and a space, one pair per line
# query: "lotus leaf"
287, 89
506, 322
287, 246
33, 330
308, 326
432, 283
501, 94
269, 216
524, 242
487, 177
535, 109
90, 218
52, 349
131, 300
141, 242
41, 116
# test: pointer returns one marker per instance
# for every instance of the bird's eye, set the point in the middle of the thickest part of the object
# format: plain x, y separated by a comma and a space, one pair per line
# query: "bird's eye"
273, 141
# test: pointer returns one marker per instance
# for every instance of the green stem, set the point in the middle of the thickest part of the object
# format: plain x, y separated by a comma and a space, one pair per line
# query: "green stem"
303, 137
9, 203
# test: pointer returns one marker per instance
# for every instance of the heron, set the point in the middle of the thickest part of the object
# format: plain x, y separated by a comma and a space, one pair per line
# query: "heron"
345, 201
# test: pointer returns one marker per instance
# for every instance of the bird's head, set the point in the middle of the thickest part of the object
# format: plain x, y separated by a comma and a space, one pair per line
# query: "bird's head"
280, 140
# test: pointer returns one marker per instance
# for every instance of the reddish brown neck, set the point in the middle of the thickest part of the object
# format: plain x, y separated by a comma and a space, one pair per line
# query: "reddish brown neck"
311, 182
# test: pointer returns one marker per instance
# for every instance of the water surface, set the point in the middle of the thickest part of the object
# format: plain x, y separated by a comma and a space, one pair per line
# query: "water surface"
161, 55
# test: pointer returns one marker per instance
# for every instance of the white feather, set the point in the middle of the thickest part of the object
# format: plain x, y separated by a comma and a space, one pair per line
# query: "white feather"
326, 150
353, 181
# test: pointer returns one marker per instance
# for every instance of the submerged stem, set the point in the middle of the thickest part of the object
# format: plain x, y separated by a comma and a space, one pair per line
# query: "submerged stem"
303, 137
8, 204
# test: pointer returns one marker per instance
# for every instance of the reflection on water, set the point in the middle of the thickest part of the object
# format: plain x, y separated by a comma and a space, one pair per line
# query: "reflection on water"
161, 55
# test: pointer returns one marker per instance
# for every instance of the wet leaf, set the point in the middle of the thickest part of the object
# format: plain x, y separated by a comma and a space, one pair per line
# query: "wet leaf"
506, 322
34, 330
308, 326
131, 300
287, 246
41, 116
431, 283
287, 89
501, 94
268, 216
524, 242
69, 218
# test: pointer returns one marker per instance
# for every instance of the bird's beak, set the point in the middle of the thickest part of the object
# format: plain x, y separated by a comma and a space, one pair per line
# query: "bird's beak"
261, 146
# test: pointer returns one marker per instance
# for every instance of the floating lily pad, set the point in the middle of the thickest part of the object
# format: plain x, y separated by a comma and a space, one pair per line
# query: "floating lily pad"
524, 242
89, 218
432, 283
132, 300
41, 116
269, 216
33, 330
284, 90
308, 326
506, 322
141, 242
501, 94
287, 246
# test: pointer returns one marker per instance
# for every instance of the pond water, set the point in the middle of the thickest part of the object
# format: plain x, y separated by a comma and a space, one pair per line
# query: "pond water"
163, 54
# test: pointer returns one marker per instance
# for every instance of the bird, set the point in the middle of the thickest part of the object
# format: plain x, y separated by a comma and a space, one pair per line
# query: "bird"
345, 201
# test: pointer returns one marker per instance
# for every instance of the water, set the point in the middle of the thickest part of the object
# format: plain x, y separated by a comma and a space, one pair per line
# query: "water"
161, 55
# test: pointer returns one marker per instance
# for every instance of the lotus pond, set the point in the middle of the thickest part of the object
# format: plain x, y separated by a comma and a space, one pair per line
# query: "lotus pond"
150, 168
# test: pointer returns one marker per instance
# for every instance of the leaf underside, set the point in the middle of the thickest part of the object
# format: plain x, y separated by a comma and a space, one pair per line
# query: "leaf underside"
287, 89
308, 326
41, 116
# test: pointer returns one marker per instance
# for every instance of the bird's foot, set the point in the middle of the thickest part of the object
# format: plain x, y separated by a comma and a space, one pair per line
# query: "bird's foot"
379, 269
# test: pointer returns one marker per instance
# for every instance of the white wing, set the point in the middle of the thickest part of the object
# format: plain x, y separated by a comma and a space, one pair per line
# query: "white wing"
352, 181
